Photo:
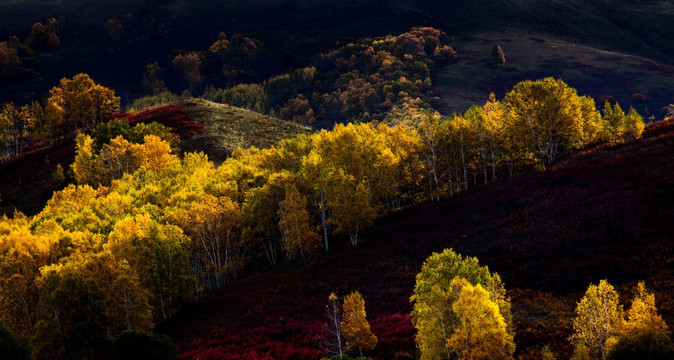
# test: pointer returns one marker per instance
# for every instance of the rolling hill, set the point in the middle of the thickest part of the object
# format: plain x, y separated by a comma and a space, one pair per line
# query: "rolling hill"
160, 29
601, 214
215, 129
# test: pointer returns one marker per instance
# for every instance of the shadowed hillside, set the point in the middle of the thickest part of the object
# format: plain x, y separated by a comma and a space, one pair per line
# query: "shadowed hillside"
630, 80
303, 29
600, 214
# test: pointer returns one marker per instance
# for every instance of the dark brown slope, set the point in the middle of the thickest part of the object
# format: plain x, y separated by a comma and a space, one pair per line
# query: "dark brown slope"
603, 214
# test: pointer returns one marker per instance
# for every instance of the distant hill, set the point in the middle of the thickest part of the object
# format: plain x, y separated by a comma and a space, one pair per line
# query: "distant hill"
631, 80
600, 214
227, 127
216, 129
159, 29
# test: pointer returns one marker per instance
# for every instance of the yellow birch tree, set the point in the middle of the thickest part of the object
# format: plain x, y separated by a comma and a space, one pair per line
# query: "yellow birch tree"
355, 327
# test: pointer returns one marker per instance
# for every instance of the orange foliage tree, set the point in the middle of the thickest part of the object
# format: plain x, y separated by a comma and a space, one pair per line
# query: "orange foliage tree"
355, 327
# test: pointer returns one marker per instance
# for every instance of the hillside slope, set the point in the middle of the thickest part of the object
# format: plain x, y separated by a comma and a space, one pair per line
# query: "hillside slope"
227, 127
303, 29
601, 214
630, 80
216, 129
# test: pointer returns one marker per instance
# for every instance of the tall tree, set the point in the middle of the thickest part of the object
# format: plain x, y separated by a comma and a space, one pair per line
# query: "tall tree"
158, 253
430, 149
547, 114
633, 125
354, 324
81, 102
212, 223
642, 316
46, 123
72, 317
613, 117
332, 340
189, 67
598, 318
494, 112
86, 167
297, 234
482, 331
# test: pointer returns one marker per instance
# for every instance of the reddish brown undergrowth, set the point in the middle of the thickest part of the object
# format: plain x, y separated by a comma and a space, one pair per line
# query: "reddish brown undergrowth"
171, 116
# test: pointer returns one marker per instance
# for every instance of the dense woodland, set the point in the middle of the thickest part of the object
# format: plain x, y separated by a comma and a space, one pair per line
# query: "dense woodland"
145, 230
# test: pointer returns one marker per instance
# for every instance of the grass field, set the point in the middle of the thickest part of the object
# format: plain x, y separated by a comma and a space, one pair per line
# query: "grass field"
228, 127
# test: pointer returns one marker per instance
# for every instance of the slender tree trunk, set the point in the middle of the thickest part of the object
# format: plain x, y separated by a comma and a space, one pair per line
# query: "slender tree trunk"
323, 219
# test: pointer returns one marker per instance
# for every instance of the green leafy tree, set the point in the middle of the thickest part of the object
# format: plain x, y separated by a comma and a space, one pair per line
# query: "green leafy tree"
633, 125
655, 345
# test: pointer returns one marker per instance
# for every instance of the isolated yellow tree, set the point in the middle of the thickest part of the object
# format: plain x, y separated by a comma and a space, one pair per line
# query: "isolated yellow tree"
81, 102
598, 319
642, 316
355, 327
548, 116
86, 167
332, 339
482, 332
632, 126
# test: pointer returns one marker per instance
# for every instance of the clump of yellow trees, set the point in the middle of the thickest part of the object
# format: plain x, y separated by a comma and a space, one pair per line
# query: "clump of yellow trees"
604, 331
461, 310
146, 230
75, 104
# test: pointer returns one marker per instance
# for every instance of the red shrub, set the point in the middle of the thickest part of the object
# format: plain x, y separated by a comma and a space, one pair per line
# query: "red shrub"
171, 116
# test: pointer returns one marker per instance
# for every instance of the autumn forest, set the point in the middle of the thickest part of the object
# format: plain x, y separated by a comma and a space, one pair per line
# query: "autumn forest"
303, 190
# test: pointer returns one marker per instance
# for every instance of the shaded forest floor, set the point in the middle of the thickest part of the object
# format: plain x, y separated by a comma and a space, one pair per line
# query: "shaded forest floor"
600, 214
